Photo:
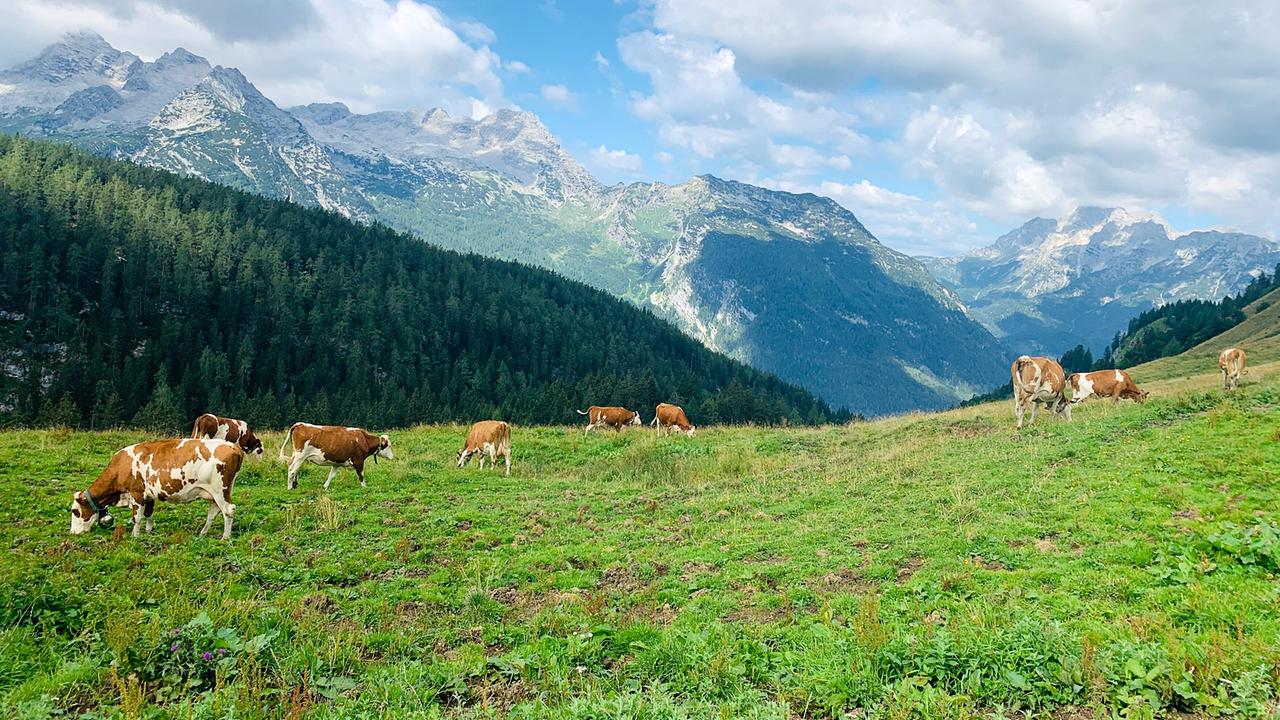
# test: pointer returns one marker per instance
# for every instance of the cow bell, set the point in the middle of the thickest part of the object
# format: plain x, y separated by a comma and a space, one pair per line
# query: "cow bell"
106, 520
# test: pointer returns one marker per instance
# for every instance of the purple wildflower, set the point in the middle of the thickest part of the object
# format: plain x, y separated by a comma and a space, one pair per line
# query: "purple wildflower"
207, 655
222, 651
173, 648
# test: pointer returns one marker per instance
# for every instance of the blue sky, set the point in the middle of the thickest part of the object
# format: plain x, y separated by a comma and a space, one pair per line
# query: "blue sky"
940, 124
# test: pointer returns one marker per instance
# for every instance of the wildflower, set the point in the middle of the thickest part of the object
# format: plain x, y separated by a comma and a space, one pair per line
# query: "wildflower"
222, 651
173, 648
207, 655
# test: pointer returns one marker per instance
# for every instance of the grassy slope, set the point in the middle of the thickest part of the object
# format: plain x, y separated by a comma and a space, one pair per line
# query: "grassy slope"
1259, 335
930, 563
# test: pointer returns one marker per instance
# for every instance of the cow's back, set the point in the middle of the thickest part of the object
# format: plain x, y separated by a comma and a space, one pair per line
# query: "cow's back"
487, 431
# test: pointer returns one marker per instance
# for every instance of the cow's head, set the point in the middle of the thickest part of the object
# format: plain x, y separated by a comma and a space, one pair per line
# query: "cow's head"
250, 444
463, 456
384, 448
635, 419
85, 510
1140, 396
691, 431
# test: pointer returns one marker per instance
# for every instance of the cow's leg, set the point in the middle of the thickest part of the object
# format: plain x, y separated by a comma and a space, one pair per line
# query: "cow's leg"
1034, 407
295, 464
1066, 411
149, 507
1019, 408
507, 457
333, 471
481, 455
208, 519
222, 502
137, 518
359, 468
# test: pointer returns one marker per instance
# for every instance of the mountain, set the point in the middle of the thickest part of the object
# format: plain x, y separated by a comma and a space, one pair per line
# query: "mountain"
1052, 284
793, 284
129, 293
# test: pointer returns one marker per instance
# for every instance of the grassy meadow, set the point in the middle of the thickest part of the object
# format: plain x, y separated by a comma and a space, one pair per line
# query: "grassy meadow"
926, 566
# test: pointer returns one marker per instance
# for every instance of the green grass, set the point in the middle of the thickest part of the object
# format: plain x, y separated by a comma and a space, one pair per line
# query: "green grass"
922, 566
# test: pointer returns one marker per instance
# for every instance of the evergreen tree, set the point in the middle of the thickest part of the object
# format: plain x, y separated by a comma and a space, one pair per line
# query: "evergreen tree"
161, 414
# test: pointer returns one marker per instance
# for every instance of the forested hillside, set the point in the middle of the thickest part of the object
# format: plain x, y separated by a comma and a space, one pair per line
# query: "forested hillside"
1174, 328
132, 295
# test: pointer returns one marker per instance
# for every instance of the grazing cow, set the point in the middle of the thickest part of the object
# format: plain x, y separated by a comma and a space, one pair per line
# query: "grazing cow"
180, 470
1114, 384
1038, 380
614, 417
667, 416
335, 446
1231, 363
487, 437
214, 427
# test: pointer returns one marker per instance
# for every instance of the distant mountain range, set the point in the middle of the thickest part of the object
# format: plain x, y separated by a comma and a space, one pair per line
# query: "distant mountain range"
1052, 284
793, 284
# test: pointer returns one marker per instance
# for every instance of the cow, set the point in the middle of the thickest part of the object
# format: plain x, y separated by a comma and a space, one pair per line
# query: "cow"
180, 470
614, 417
214, 427
1231, 363
1036, 381
1115, 384
335, 446
487, 437
667, 416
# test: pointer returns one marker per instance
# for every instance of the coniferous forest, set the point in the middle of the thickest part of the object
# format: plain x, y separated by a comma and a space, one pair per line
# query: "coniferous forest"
133, 296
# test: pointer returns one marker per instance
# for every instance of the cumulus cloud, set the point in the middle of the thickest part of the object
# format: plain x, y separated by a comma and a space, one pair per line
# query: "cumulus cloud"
700, 103
369, 54
1009, 108
560, 96
614, 165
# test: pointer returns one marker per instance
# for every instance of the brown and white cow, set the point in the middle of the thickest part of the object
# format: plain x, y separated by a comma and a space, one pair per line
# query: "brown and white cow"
615, 417
335, 446
1115, 384
667, 416
215, 427
181, 470
1037, 381
1231, 363
487, 437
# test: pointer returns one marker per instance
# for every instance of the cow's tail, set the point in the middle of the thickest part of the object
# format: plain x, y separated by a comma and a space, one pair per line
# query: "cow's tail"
504, 443
195, 427
288, 440
581, 412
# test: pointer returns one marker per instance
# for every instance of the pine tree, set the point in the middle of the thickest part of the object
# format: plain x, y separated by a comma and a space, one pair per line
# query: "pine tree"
161, 414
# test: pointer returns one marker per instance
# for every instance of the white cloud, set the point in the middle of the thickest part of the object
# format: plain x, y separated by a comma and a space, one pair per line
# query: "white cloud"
1009, 108
601, 61
613, 165
515, 67
369, 54
560, 97
700, 103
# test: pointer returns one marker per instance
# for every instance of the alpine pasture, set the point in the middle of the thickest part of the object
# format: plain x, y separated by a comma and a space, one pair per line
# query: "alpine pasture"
1122, 564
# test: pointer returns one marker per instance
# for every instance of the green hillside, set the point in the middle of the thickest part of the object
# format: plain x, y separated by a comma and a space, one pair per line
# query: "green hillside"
133, 295
927, 566
1258, 334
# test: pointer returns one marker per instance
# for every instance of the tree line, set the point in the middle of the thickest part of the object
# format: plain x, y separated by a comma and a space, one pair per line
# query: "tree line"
129, 295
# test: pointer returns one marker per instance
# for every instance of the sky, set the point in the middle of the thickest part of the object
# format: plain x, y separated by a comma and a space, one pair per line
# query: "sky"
940, 123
